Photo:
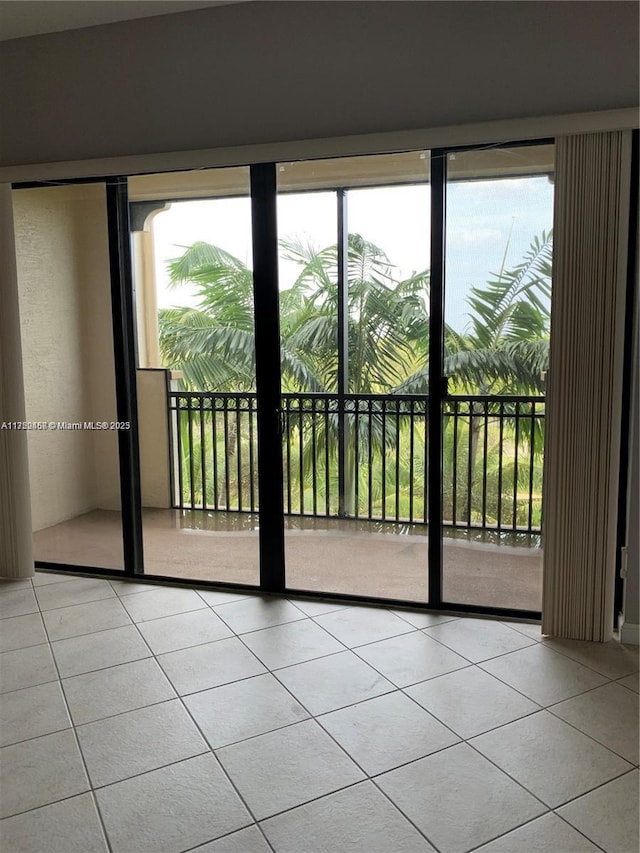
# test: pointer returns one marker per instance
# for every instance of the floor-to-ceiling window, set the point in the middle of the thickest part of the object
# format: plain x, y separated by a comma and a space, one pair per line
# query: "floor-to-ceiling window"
366, 435
354, 292
69, 374
497, 300
196, 377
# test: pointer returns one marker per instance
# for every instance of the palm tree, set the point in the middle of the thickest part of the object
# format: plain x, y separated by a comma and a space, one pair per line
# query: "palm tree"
504, 350
213, 343
505, 347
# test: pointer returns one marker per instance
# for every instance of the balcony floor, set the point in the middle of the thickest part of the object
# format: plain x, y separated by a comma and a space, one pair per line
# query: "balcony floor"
323, 555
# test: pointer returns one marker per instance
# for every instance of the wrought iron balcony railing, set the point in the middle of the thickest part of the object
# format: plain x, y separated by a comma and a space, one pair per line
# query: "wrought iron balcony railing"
366, 458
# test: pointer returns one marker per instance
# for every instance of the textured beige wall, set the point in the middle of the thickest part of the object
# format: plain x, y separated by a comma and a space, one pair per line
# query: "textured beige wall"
93, 280
154, 437
63, 274
144, 276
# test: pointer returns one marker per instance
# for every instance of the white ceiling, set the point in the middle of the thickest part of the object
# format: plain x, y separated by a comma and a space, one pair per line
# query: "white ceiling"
19, 18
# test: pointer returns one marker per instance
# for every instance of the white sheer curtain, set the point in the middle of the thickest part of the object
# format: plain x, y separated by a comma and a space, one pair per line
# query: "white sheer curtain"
16, 560
592, 186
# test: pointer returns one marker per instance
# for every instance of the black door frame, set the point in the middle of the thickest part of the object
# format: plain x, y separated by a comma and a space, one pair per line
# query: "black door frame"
125, 349
630, 312
268, 388
438, 178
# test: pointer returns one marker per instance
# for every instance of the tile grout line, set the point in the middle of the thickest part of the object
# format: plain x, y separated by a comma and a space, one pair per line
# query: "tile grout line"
412, 630
78, 747
372, 779
228, 835
210, 750
401, 690
258, 630
22, 616
99, 668
90, 633
527, 823
76, 603
445, 618
467, 665
549, 708
396, 687
354, 650
560, 651
340, 747
35, 737
346, 788
405, 816
37, 684
537, 796
462, 738
628, 772
97, 788
543, 707
315, 717
343, 750
470, 665
177, 697
529, 645
533, 643
579, 831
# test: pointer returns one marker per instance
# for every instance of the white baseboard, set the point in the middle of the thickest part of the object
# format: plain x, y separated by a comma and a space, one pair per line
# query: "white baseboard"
630, 634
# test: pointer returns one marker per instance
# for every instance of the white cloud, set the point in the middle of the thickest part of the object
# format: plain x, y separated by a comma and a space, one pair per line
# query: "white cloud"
460, 236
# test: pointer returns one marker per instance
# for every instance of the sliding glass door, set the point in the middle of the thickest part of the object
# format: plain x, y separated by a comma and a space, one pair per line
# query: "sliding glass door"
413, 405
196, 374
497, 290
353, 286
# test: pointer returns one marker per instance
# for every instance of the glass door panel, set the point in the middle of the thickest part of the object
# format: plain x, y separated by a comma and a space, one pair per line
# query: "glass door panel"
354, 259
68, 357
196, 374
497, 300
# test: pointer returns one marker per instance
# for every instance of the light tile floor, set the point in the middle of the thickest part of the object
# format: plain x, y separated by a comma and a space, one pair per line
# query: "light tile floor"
146, 719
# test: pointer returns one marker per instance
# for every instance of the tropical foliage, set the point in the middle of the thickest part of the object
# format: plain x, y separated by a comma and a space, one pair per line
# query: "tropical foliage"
502, 350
